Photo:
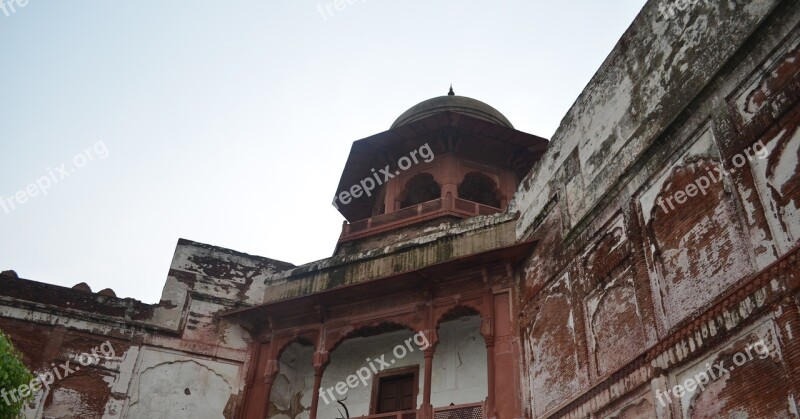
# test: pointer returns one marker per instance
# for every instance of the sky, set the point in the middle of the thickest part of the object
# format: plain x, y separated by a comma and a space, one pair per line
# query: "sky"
125, 126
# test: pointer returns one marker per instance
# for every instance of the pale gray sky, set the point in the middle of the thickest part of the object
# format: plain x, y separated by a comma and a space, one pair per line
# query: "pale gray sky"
229, 122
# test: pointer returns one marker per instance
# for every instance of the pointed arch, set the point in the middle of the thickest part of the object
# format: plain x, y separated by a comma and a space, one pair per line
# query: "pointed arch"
456, 312
422, 187
286, 343
368, 330
479, 187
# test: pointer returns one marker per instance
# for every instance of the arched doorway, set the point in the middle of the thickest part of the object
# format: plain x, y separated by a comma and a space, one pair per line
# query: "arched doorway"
292, 390
373, 370
459, 364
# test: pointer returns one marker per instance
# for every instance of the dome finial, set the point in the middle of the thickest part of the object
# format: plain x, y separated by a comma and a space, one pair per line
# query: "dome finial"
451, 93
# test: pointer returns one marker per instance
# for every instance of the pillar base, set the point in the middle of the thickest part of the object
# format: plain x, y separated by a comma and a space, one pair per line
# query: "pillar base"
425, 412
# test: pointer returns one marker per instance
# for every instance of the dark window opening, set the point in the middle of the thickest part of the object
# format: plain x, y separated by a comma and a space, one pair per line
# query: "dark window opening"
396, 393
380, 202
421, 188
477, 187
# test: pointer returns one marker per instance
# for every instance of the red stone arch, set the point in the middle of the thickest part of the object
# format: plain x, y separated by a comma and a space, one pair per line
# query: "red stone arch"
284, 343
469, 337
284, 379
481, 188
422, 187
366, 330
457, 311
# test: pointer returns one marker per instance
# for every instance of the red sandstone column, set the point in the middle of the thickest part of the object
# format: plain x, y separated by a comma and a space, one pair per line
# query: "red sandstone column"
426, 411
449, 175
320, 360
262, 373
490, 412
488, 332
269, 378
315, 394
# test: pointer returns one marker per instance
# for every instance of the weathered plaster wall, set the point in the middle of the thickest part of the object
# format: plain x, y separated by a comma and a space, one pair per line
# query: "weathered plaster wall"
761, 372
623, 270
352, 355
439, 244
650, 77
179, 384
294, 384
174, 359
459, 363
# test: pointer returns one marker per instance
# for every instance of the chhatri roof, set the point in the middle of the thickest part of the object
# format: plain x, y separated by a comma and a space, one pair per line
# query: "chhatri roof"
459, 104
479, 133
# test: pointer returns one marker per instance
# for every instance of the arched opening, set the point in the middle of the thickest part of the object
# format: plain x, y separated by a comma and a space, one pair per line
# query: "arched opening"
477, 187
292, 389
420, 188
460, 373
372, 370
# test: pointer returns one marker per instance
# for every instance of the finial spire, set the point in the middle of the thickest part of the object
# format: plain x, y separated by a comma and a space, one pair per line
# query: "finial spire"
451, 93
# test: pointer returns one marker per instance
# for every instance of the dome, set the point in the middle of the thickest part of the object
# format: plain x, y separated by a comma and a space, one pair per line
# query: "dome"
451, 102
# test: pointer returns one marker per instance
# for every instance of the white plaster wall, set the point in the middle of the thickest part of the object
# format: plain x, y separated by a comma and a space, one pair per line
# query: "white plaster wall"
294, 385
703, 145
459, 367
173, 385
176, 295
352, 355
459, 364
784, 221
240, 267
632, 97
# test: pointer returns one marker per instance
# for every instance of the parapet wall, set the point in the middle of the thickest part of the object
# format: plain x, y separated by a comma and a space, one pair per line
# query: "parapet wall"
175, 358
